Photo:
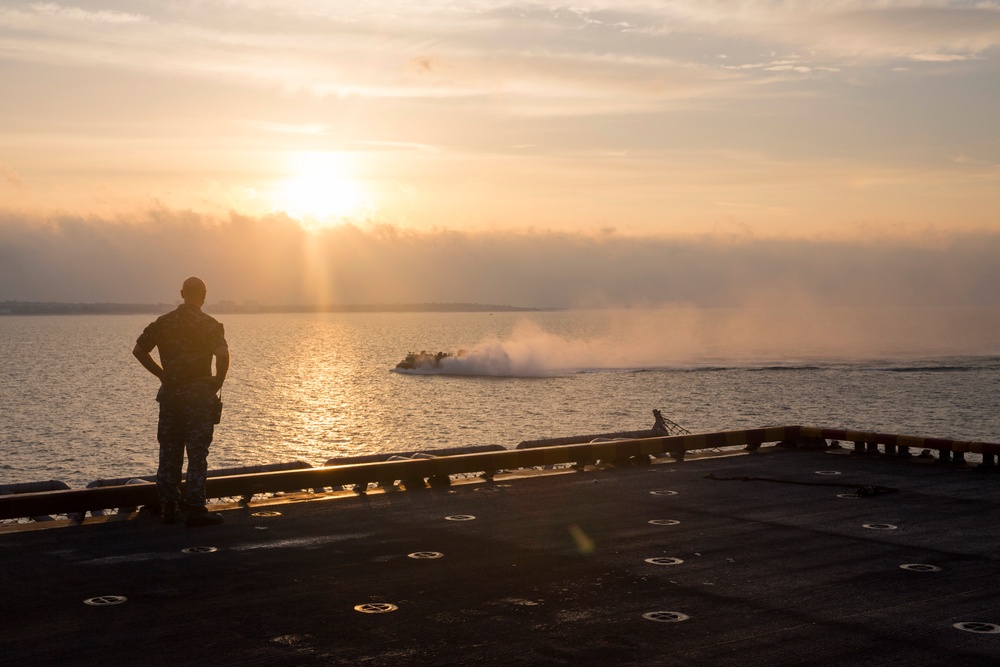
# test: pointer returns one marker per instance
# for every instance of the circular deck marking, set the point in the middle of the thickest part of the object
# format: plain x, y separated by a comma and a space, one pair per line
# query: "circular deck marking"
879, 526
664, 560
981, 628
663, 492
827, 472
459, 517
920, 567
665, 616
376, 607
425, 555
266, 513
663, 522
105, 600
199, 550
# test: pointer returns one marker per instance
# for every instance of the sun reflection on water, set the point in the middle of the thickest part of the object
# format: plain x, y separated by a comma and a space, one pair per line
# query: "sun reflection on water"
312, 387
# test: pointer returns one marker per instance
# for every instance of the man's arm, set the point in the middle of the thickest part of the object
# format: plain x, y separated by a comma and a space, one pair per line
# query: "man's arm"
221, 365
147, 361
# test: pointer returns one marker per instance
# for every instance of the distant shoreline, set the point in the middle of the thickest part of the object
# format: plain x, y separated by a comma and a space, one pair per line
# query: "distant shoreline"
226, 308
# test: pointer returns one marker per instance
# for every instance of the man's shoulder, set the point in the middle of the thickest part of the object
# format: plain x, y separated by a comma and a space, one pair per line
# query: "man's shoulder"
169, 316
158, 328
209, 318
164, 319
211, 327
208, 322
186, 317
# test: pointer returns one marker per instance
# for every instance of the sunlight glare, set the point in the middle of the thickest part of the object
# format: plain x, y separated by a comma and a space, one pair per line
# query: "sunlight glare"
319, 189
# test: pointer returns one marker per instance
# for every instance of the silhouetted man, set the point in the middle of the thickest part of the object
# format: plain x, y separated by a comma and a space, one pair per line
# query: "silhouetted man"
187, 340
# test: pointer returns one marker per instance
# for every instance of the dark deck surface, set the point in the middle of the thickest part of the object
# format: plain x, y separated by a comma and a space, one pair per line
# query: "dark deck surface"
552, 570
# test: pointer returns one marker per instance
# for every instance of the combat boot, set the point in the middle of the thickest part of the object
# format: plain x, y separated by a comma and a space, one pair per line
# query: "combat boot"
168, 512
199, 516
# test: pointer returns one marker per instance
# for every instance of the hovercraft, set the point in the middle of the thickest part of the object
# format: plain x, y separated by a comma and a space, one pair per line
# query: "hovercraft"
425, 360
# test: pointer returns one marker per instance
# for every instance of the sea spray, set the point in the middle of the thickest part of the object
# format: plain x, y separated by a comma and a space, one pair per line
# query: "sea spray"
530, 351
685, 338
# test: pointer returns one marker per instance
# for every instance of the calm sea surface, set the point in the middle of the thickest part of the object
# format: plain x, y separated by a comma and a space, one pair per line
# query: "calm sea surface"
76, 406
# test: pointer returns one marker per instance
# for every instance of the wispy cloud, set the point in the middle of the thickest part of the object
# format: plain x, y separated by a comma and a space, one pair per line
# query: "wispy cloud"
398, 145
317, 129
53, 10
638, 114
569, 60
858, 30
943, 57
11, 177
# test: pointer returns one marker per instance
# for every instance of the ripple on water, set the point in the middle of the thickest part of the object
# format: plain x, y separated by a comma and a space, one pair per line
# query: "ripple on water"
312, 386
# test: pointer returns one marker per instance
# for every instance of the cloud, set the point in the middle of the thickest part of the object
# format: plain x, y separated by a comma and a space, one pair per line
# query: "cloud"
273, 260
942, 57
399, 145
541, 58
310, 129
11, 177
52, 10
859, 30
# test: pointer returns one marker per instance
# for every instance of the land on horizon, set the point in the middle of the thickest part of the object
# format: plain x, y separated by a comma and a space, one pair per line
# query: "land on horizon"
228, 307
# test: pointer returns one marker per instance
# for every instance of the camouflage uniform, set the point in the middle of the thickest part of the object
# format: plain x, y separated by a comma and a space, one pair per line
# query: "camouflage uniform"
187, 339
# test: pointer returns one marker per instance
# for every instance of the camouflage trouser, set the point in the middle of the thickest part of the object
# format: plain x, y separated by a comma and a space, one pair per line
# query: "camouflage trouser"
185, 423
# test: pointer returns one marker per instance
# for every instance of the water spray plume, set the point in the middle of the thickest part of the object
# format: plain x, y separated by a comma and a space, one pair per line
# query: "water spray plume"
690, 338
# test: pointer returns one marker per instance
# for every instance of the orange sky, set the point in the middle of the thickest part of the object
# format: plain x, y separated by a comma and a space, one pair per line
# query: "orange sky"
668, 117
828, 120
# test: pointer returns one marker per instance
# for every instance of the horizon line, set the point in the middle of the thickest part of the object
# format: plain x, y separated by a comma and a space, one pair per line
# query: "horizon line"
17, 307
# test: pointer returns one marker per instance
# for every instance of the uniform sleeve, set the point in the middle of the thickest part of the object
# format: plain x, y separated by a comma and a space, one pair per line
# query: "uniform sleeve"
219, 337
148, 338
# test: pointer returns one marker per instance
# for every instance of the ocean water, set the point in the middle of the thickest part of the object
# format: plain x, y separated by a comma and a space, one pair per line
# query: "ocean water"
76, 406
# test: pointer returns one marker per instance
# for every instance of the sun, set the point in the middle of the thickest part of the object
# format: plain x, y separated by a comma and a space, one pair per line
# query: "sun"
319, 189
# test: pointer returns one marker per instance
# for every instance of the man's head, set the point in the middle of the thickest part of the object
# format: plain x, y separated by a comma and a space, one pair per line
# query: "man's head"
193, 291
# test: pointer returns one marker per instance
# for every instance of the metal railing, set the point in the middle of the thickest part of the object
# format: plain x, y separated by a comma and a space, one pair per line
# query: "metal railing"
76, 501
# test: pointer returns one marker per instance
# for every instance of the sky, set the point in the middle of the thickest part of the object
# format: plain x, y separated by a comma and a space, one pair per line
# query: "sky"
706, 152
